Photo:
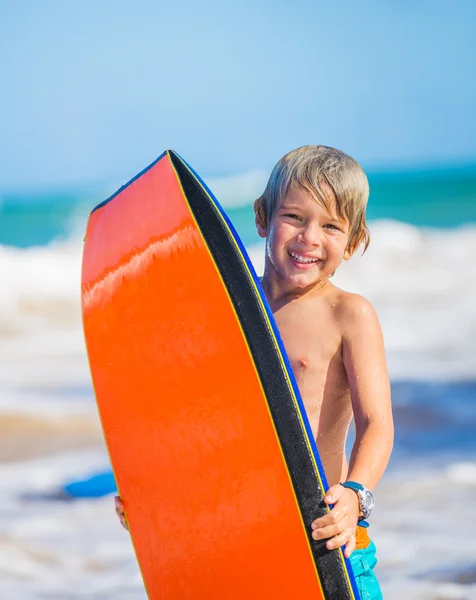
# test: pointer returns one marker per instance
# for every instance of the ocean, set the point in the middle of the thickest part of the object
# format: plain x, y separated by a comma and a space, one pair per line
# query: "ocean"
419, 274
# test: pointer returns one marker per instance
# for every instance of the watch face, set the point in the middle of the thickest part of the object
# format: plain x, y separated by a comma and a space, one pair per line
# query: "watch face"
368, 503
369, 500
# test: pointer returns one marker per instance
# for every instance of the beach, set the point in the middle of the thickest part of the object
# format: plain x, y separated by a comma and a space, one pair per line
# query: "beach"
421, 281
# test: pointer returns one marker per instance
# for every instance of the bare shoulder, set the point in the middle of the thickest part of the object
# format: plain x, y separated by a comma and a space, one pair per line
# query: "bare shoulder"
355, 306
355, 312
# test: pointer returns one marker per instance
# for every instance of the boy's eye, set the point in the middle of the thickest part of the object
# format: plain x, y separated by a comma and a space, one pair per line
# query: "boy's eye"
292, 216
331, 226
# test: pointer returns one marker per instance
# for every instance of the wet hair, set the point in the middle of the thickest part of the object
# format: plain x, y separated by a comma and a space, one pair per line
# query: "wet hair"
328, 175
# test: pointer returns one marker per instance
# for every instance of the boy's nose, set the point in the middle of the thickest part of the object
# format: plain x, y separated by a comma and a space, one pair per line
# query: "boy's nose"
311, 234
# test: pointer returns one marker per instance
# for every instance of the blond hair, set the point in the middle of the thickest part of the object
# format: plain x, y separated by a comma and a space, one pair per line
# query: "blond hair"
320, 170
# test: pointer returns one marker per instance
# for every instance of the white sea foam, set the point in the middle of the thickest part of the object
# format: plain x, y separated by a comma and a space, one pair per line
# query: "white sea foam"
236, 190
41, 341
78, 550
420, 281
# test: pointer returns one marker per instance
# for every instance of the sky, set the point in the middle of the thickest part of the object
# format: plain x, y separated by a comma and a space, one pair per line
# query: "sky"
96, 90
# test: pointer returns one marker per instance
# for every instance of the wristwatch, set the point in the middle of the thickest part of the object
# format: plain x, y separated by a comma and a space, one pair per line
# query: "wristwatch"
366, 498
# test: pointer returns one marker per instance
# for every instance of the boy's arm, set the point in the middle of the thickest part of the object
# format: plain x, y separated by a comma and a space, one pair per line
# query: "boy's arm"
366, 368
365, 365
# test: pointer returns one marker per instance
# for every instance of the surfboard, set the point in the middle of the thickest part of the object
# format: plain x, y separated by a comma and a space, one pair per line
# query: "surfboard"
210, 446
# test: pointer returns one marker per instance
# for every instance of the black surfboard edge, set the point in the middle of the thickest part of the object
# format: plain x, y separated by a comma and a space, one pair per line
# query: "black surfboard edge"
281, 390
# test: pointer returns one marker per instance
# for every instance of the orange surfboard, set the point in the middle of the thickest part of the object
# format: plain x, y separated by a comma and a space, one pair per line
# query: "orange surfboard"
207, 435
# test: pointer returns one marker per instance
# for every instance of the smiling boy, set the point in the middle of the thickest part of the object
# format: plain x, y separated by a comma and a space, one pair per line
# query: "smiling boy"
312, 215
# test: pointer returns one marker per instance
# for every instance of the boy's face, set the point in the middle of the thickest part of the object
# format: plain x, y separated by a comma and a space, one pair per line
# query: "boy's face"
304, 242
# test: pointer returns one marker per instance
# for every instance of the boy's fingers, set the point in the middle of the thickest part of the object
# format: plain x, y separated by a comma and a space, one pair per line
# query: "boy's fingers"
324, 522
332, 517
329, 531
339, 540
350, 547
339, 512
333, 494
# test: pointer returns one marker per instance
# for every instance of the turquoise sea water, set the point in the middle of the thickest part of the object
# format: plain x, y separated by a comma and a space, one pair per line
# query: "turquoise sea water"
439, 198
35, 218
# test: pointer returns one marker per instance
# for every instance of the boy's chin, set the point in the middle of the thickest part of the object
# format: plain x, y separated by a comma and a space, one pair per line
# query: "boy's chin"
305, 280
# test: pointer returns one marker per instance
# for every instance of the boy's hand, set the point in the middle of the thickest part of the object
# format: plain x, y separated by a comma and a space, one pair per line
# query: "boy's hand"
120, 512
340, 523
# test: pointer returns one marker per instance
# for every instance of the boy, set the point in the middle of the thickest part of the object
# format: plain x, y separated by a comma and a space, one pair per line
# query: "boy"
312, 215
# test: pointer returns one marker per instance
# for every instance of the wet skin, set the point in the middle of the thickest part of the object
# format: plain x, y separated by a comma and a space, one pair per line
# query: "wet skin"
335, 346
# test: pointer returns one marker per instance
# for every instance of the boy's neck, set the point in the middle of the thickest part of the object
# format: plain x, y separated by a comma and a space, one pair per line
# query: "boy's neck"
278, 293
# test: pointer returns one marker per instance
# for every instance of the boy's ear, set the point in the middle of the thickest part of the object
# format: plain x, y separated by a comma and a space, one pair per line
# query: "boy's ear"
349, 252
260, 218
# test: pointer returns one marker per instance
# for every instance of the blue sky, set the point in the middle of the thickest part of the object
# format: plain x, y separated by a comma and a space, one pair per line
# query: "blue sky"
95, 90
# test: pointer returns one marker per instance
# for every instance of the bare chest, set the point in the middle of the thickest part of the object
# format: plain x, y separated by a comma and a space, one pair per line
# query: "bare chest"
313, 340
313, 345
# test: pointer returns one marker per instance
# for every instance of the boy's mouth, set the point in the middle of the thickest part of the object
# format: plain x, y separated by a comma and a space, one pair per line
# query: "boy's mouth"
303, 260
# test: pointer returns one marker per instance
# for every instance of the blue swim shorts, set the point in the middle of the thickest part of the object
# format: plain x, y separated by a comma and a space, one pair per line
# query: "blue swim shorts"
363, 562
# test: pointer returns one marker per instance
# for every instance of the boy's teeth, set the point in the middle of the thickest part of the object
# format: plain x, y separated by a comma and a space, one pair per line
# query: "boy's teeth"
301, 259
